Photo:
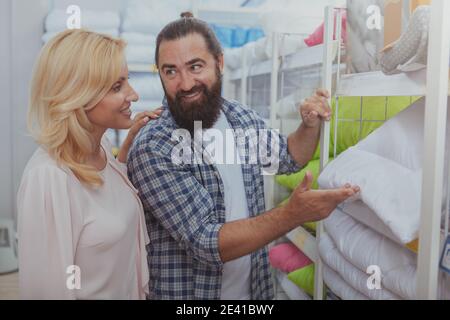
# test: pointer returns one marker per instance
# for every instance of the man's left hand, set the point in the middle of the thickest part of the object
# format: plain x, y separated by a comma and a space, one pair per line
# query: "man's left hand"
316, 109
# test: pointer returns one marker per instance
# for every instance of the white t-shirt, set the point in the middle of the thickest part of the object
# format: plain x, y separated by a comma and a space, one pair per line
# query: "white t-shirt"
236, 274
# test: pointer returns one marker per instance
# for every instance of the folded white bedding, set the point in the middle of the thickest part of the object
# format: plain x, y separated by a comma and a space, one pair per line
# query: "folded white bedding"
386, 187
140, 54
110, 32
354, 277
363, 214
150, 17
148, 86
94, 20
136, 38
339, 286
261, 50
363, 247
387, 165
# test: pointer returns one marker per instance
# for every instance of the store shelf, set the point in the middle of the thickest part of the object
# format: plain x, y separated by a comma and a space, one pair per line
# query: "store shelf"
305, 241
247, 17
308, 57
376, 84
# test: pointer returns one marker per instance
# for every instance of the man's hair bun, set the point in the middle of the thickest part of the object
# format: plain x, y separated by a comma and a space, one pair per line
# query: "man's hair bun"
187, 14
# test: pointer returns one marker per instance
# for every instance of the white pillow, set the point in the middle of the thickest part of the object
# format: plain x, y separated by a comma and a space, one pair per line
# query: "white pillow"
363, 247
389, 189
387, 165
356, 278
401, 138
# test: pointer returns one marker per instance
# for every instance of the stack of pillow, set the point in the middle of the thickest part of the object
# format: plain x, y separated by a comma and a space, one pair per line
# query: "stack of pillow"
106, 22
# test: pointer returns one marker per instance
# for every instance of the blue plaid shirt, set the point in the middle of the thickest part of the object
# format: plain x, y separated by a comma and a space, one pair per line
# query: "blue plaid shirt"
185, 209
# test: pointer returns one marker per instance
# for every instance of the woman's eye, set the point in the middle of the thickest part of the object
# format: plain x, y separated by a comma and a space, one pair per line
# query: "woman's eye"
117, 89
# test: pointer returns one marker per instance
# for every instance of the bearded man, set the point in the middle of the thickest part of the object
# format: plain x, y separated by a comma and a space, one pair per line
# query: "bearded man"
207, 221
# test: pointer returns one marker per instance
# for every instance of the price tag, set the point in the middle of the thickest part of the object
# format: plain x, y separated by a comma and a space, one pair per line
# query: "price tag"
445, 259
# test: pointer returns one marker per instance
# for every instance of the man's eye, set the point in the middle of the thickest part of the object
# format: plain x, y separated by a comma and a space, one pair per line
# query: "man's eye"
196, 67
170, 72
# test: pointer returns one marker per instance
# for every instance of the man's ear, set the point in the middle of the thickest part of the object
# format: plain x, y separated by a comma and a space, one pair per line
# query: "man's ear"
221, 64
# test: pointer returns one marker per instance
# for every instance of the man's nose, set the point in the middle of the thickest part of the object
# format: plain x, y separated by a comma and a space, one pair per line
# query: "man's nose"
187, 82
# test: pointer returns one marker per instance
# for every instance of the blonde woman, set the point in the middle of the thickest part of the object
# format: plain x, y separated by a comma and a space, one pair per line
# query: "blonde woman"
81, 227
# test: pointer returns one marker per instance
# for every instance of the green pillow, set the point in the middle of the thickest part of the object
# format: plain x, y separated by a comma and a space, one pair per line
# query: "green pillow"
304, 279
292, 181
372, 108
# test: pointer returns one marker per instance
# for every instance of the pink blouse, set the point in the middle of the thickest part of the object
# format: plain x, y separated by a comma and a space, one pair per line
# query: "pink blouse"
77, 242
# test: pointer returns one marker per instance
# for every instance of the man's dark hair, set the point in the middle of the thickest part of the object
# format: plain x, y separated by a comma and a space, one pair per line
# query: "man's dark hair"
185, 26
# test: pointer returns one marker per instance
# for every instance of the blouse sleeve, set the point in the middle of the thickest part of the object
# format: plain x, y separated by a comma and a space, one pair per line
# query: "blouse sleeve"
48, 233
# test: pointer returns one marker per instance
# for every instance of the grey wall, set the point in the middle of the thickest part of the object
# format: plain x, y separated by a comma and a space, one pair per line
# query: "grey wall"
21, 30
27, 29
6, 205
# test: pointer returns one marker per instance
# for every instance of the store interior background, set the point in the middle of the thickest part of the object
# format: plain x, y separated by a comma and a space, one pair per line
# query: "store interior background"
21, 30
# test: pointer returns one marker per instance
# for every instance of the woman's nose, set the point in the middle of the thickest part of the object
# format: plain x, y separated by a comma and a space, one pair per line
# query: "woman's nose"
132, 96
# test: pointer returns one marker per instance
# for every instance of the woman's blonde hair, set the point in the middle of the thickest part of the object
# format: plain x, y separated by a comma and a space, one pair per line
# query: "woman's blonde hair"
74, 72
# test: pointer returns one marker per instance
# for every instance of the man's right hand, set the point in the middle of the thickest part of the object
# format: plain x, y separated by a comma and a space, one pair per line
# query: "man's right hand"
306, 205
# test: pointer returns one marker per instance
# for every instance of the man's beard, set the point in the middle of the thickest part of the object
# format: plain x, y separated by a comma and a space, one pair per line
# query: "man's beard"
205, 109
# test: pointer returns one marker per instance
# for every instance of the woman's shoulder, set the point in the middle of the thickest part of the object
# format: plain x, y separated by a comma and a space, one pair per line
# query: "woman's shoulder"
43, 167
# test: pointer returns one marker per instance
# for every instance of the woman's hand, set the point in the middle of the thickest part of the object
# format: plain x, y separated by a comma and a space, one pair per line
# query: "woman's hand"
139, 122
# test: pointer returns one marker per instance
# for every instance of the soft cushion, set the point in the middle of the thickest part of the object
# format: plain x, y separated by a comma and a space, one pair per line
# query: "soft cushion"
364, 247
389, 189
304, 279
373, 108
287, 257
387, 166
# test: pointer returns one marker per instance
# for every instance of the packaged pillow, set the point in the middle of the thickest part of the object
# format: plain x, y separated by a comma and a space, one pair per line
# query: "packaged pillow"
287, 257
304, 279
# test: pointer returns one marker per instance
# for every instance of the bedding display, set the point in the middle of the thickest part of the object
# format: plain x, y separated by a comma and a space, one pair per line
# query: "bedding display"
374, 228
136, 38
140, 54
148, 86
363, 247
102, 22
94, 20
136, 15
290, 289
261, 50
353, 276
339, 286
350, 132
410, 52
287, 258
388, 172
304, 278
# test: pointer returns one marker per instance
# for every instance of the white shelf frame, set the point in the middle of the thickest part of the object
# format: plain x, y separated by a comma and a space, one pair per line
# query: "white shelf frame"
434, 84
434, 150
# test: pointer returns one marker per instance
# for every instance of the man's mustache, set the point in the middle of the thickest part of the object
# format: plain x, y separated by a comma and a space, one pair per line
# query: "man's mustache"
196, 89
